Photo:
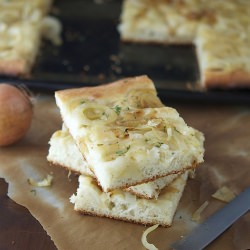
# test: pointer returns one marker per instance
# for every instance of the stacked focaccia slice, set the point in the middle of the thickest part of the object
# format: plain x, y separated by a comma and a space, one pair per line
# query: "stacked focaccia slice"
63, 152
126, 145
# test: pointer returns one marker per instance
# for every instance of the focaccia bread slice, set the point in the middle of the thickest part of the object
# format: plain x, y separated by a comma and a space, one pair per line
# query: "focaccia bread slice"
178, 21
222, 47
64, 153
120, 205
224, 60
20, 32
43, 5
152, 189
123, 145
163, 21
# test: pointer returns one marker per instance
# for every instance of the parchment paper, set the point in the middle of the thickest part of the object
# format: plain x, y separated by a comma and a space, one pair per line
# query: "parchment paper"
227, 162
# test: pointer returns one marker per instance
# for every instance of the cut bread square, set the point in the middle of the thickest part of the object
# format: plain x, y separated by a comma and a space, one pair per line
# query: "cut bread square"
137, 92
222, 46
121, 205
228, 63
162, 21
20, 32
26, 5
152, 189
63, 152
124, 143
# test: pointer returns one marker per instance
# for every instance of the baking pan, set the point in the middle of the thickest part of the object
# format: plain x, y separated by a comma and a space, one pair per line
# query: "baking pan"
92, 54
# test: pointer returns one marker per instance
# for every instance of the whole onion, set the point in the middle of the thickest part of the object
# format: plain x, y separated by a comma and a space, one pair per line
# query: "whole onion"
15, 114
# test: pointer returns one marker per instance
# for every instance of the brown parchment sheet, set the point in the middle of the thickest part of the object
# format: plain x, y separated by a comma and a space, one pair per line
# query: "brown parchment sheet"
227, 162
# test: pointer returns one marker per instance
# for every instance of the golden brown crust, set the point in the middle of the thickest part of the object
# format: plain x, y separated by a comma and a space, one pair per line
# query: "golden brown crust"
110, 90
223, 79
13, 67
145, 223
170, 41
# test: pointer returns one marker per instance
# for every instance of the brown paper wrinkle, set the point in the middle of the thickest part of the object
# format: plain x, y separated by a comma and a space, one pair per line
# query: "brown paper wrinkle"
226, 162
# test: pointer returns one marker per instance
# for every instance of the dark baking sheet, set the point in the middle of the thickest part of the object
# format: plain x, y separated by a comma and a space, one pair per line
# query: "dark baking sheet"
92, 54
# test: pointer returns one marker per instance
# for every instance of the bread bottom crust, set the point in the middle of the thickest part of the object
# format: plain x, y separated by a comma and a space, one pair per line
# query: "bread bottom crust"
13, 67
158, 41
141, 222
226, 79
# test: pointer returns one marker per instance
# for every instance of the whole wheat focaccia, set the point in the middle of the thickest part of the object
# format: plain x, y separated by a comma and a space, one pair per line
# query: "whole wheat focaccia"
121, 205
222, 47
123, 143
64, 153
20, 32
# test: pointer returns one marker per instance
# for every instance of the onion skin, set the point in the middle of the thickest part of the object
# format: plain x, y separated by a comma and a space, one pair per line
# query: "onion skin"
15, 114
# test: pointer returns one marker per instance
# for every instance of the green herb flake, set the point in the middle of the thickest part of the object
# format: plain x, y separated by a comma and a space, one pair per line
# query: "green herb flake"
117, 109
122, 152
158, 144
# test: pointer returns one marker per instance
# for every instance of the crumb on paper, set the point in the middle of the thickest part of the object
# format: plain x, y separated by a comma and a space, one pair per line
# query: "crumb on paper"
197, 214
224, 194
144, 241
46, 182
